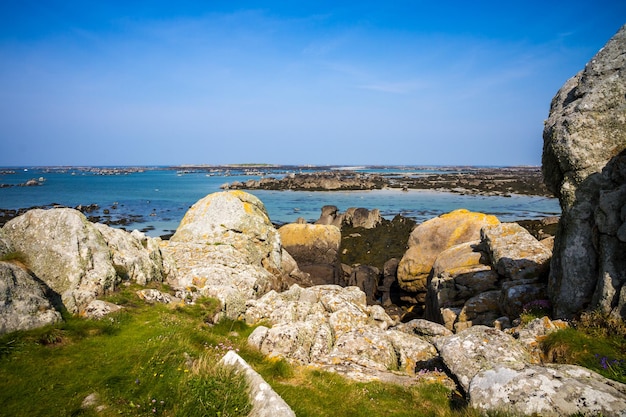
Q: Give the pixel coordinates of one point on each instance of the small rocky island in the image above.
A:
(462, 180)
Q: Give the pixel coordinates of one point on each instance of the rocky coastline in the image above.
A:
(500, 181)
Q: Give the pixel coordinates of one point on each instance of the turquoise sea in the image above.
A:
(157, 198)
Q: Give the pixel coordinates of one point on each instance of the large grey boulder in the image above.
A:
(80, 260)
(226, 247)
(23, 300)
(497, 373)
(67, 252)
(584, 165)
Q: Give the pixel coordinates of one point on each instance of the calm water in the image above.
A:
(161, 197)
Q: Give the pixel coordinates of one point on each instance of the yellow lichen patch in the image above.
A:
(306, 234)
(199, 281)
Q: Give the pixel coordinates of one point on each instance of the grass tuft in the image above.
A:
(596, 341)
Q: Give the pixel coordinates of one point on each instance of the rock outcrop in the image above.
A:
(315, 247)
(481, 281)
(431, 238)
(67, 252)
(353, 217)
(226, 247)
(497, 374)
(24, 302)
(78, 260)
(584, 165)
(333, 328)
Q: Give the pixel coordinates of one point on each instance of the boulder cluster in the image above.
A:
(315, 314)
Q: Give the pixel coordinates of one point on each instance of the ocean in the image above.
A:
(155, 199)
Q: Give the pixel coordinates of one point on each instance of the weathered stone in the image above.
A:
(424, 328)
(151, 295)
(65, 251)
(315, 248)
(515, 253)
(237, 219)
(365, 277)
(23, 301)
(97, 309)
(134, 256)
(431, 238)
(5, 245)
(481, 309)
(459, 273)
(555, 390)
(479, 348)
(362, 217)
(516, 294)
(583, 163)
(329, 325)
(226, 247)
(328, 216)
(265, 401)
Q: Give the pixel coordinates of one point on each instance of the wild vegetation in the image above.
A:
(158, 360)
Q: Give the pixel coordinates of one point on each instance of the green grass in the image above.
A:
(156, 360)
(596, 341)
(139, 362)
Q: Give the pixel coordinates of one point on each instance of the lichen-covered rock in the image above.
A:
(135, 257)
(479, 348)
(434, 236)
(237, 219)
(23, 301)
(426, 329)
(227, 248)
(315, 247)
(5, 245)
(328, 325)
(515, 253)
(584, 164)
(555, 390)
(67, 252)
(98, 309)
(459, 273)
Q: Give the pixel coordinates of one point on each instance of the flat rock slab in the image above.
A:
(265, 401)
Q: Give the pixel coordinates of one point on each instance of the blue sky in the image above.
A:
(288, 82)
